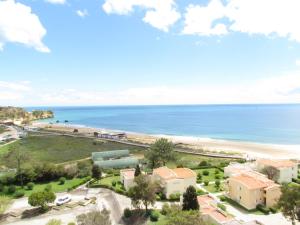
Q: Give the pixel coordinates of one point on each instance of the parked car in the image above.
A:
(63, 200)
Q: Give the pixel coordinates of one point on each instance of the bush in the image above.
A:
(199, 181)
(11, 189)
(19, 194)
(200, 192)
(30, 186)
(154, 216)
(221, 206)
(48, 187)
(217, 177)
(205, 172)
(206, 182)
(223, 198)
(217, 171)
(71, 223)
(1, 187)
(127, 213)
(203, 163)
(113, 183)
(273, 210)
(174, 197)
(54, 222)
(165, 209)
(263, 209)
(199, 176)
(62, 180)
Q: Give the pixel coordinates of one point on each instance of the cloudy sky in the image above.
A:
(124, 52)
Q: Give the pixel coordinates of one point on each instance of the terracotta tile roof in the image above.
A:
(178, 173)
(277, 163)
(205, 199)
(215, 213)
(253, 182)
(128, 173)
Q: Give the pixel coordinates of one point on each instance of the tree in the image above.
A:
(94, 218)
(160, 153)
(271, 172)
(143, 192)
(217, 184)
(289, 202)
(41, 199)
(190, 201)
(137, 171)
(178, 217)
(96, 172)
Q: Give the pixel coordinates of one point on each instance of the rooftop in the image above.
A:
(178, 173)
(128, 173)
(253, 181)
(277, 163)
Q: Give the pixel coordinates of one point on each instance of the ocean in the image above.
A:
(274, 124)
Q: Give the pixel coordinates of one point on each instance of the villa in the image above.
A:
(286, 170)
(127, 178)
(250, 189)
(174, 180)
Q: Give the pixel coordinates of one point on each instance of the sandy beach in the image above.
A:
(249, 149)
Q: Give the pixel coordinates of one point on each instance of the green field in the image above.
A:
(56, 187)
(59, 149)
(212, 174)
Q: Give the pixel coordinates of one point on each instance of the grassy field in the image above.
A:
(212, 174)
(59, 149)
(56, 187)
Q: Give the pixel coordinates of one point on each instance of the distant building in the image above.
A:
(174, 180)
(237, 168)
(286, 169)
(127, 178)
(250, 189)
(113, 136)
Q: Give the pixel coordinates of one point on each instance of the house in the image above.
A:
(286, 169)
(250, 189)
(237, 168)
(176, 180)
(127, 178)
(210, 212)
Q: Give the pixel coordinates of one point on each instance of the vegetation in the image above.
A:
(94, 218)
(161, 152)
(289, 202)
(210, 174)
(41, 199)
(190, 201)
(60, 149)
(271, 172)
(96, 172)
(54, 222)
(143, 192)
(2, 129)
(4, 203)
(137, 171)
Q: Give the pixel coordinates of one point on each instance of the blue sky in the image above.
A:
(76, 52)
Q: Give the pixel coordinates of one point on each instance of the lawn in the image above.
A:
(211, 176)
(59, 149)
(56, 187)
(108, 180)
(212, 188)
(191, 161)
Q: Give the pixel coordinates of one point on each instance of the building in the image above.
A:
(286, 169)
(113, 136)
(238, 168)
(250, 189)
(210, 212)
(176, 180)
(127, 178)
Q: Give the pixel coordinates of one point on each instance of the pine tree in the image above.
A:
(190, 201)
(137, 171)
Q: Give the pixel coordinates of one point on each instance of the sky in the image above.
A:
(149, 52)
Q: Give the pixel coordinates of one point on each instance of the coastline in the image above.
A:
(249, 149)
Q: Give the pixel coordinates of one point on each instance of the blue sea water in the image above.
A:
(276, 124)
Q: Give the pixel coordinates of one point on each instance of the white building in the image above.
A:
(175, 180)
(127, 178)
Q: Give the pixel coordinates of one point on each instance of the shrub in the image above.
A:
(165, 209)
(1, 187)
(200, 192)
(19, 194)
(199, 176)
(203, 163)
(30, 186)
(154, 216)
(217, 171)
(54, 222)
(113, 183)
(11, 189)
(174, 197)
(223, 198)
(217, 177)
(273, 210)
(205, 172)
(48, 187)
(206, 182)
(199, 181)
(62, 180)
(71, 223)
(217, 183)
(127, 213)
(162, 196)
(263, 209)
(221, 206)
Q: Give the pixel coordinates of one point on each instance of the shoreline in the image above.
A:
(248, 149)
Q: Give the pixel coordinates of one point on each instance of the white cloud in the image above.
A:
(298, 62)
(61, 2)
(200, 19)
(19, 25)
(15, 86)
(82, 13)
(264, 17)
(159, 14)
(13, 91)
